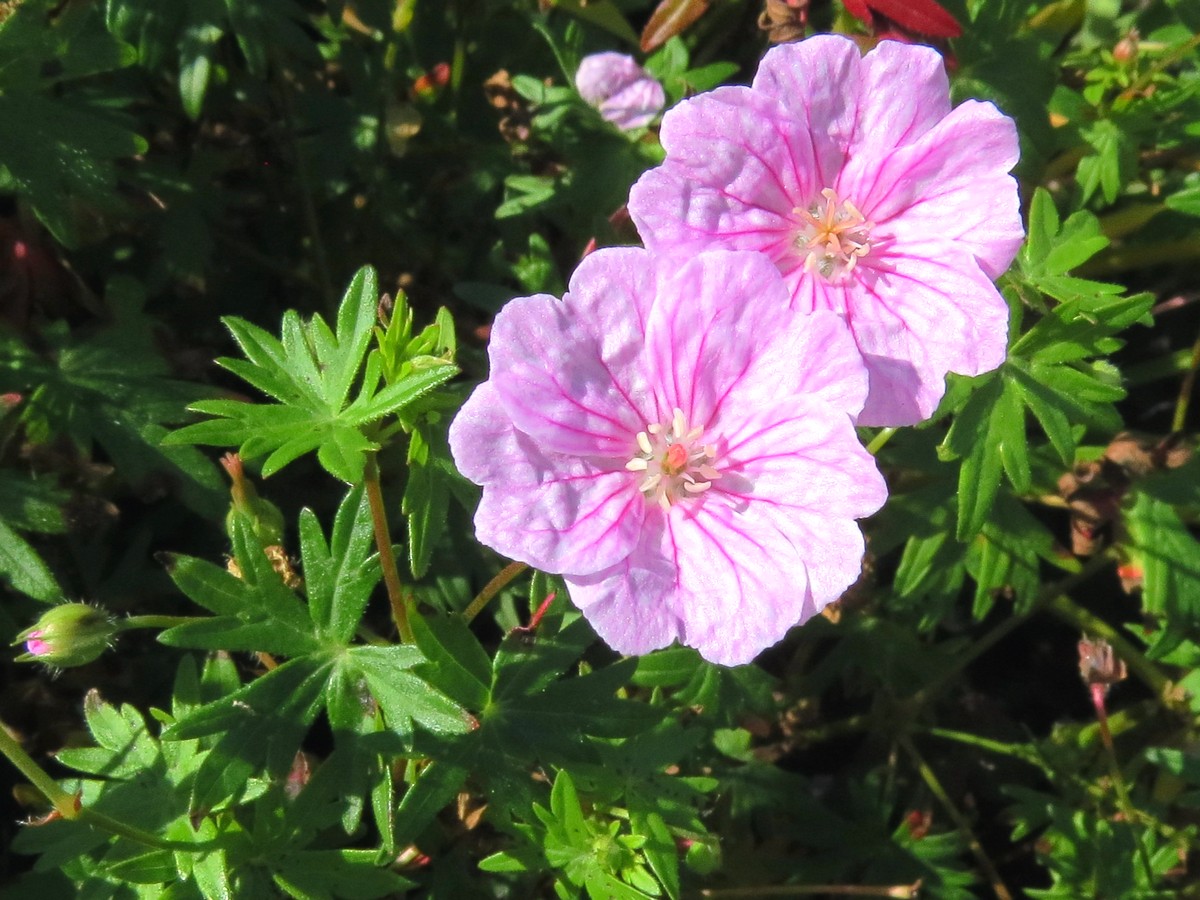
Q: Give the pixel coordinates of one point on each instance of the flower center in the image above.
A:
(834, 236)
(672, 462)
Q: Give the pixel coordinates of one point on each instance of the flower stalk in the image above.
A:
(383, 543)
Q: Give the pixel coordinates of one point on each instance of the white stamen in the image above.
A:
(673, 463)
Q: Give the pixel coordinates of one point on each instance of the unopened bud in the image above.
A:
(71, 634)
(265, 518)
(1126, 49)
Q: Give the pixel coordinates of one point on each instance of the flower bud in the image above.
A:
(71, 634)
(265, 517)
(1126, 49)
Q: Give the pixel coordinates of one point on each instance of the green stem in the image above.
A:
(1118, 777)
(935, 786)
(492, 588)
(1066, 609)
(878, 442)
(901, 891)
(1186, 388)
(1016, 751)
(383, 543)
(133, 622)
(68, 806)
(64, 804)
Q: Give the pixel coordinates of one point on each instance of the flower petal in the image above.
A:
(917, 317)
(808, 354)
(552, 511)
(630, 604)
(717, 310)
(800, 455)
(600, 75)
(904, 93)
(742, 582)
(736, 169)
(819, 81)
(953, 185)
(635, 105)
(570, 374)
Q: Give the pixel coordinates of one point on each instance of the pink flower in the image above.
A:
(623, 91)
(678, 446)
(872, 196)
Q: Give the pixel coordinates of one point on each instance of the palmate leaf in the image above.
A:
(112, 389)
(257, 611)
(310, 371)
(1057, 370)
(57, 152)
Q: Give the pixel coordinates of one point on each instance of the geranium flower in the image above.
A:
(872, 196)
(678, 446)
(625, 93)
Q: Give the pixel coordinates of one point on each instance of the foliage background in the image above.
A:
(165, 165)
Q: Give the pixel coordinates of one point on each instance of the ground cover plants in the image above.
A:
(603, 449)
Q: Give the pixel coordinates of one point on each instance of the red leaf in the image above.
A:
(669, 18)
(922, 16)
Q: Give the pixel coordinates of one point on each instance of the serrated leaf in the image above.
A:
(339, 577)
(1169, 558)
(311, 371)
(349, 874)
(261, 726)
(455, 660)
(437, 785)
(255, 612)
(403, 697)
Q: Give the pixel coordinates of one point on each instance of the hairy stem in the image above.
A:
(68, 806)
(492, 588)
(802, 890)
(383, 543)
(935, 786)
(1185, 389)
(133, 622)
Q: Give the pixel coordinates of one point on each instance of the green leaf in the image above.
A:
(311, 372)
(339, 577)
(604, 14)
(1112, 163)
(403, 697)
(1169, 558)
(196, 49)
(1186, 201)
(24, 569)
(349, 874)
(437, 785)
(255, 612)
(111, 389)
(260, 725)
(455, 660)
(976, 436)
(426, 495)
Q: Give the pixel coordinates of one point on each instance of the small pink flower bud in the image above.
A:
(71, 634)
(1126, 49)
(625, 93)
